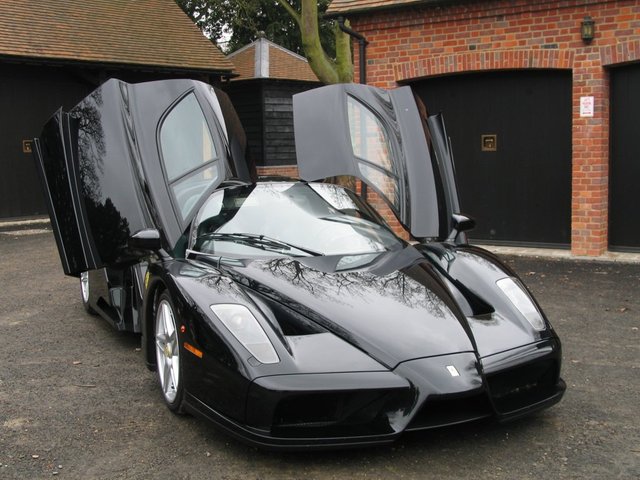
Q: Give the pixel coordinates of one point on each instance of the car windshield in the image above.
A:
(289, 219)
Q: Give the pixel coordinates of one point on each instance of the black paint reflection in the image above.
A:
(365, 306)
(360, 284)
(54, 172)
(109, 229)
(90, 142)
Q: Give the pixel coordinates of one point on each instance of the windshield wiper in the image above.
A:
(258, 241)
(354, 221)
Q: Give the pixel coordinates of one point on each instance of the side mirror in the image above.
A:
(148, 239)
(461, 223)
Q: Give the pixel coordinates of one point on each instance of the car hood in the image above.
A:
(394, 306)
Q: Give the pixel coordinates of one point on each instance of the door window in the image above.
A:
(370, 144)
(189, 155)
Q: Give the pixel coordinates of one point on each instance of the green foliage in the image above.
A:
(242, 21)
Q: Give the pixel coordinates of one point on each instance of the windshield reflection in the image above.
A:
(289, 219)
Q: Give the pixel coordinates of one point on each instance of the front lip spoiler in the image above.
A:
(262, 440)
(549, 401)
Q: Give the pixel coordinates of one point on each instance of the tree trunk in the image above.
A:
(327, 70)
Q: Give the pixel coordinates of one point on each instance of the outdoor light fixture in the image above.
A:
(587, 29)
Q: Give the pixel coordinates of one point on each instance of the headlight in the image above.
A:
(244, 326)
(521, 300)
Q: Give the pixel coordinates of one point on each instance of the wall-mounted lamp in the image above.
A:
(587, 29)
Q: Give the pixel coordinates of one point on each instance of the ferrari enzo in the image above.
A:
(288, 312)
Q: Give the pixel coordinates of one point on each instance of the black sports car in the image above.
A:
(287, 312)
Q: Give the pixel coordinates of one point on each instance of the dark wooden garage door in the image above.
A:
(29, 95)
(624, 194)
(519, 188)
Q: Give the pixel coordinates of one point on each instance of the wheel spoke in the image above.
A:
(168, 320)
(161, 340)
(173, 372)
(162, 367)
(166, 374)
(172, 341)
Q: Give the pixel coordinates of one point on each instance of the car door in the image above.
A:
(135, 157)
(386, 139)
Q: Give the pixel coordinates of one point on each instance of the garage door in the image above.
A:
(28, 97)
(511, 137)
(624, 195)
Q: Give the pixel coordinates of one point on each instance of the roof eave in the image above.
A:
(382, 8)
(274, 80)
(60, 61)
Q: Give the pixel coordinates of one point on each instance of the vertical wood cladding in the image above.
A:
(265, 108)
(29, 96)
(279, 140)
(246, 97)
(521, 190)
(624, 228)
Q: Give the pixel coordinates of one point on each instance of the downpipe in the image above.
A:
(362, 45)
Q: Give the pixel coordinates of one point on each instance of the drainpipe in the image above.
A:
(362, 42)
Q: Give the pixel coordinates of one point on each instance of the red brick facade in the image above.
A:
(420, 42)
(282, 171)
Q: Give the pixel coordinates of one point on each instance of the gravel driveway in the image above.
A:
(77, 402)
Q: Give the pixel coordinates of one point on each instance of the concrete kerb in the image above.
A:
(552, 253)
(25, 226)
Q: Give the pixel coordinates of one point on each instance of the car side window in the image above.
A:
(189, 154)
(371, 146)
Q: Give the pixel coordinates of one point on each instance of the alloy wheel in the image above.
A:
(167, 351)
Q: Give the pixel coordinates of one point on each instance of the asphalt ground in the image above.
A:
(77, 402)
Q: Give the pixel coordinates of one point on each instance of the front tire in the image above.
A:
(167, 346)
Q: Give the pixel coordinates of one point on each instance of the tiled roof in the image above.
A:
(338, 7)
(273, 61)
(132, 32)
(244, 62)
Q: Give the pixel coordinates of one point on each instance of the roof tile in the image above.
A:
(282, 63)
(135, 32)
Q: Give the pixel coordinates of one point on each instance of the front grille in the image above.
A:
(524, 385)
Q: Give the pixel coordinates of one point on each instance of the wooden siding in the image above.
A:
(27, 102)
(279, 143)
(246, 98)
(265, 108)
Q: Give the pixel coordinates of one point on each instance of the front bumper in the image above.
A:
(339, 410)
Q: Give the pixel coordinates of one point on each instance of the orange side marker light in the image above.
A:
(192, 349)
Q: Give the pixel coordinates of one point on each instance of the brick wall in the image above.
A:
(520, 34)
(278, 171)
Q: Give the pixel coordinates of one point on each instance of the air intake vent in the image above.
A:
(443, 410)
(521, 386)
